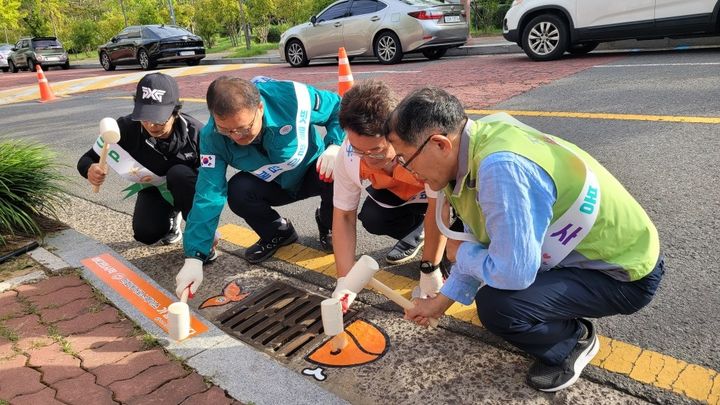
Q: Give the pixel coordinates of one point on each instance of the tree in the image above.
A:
(259, 14)
(10, 15)
(34, 20)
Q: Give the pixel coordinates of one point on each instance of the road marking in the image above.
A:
(646, 366)
(603, 116)
(67, 87)
(659, 64)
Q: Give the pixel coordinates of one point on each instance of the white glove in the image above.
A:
(326, 163)
(191, 275)
(342, 293)
(430, 283)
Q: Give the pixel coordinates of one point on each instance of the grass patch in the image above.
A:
(83, 55)
(149, 341)
(222, 45)
(30, 187)
(60, 340)
(485, 32)
(9, 334)
(255, 49)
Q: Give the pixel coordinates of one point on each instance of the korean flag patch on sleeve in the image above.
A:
(207, 161)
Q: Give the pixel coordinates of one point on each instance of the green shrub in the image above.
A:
(30, 186)
(274, 34)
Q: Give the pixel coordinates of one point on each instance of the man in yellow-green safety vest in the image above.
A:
(552, 238)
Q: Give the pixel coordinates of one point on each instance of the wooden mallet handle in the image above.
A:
(395, 297)
(103, 162)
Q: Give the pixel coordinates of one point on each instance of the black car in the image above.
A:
(148, 45)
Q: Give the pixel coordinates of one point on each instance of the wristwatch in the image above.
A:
(428, 267)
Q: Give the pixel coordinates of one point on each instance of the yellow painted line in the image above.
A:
(645, 366)
(603, 116)
(67, 87)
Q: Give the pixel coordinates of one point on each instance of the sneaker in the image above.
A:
(174, 235)
(264, 249)
(325, 234)
(404, 250)
(213, 252)
(554, 378)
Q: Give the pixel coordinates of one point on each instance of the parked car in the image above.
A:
(386, 29)
(149, 45)
(44, 51)
(546, 29)
(5, 50)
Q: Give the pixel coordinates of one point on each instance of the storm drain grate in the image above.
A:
(279, 318)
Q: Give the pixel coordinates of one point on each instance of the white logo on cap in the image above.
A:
(154, 94)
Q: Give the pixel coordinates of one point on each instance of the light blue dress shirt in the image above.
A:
(516, 197)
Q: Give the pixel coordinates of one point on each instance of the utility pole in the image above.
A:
(122, 6)
(172, 12)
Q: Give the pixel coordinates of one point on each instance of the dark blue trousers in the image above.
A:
(542, 319)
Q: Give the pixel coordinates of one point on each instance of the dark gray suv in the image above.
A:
(43, 51)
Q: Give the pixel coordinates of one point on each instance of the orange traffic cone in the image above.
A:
(46, 93)
(345, 78)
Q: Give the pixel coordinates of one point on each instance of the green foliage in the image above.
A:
(487, 15)
(83, 36)
(255, 49)
(29, 187)
(274, 33)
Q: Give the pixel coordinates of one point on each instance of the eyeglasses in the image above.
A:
(401, 161)
(240, 131)
(370, 155)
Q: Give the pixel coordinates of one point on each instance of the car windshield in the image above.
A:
(46, 44)
(167, 31)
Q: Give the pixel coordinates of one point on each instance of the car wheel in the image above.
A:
(5, 70)
(545, 37)
(193, 62)
(388, 49)
(582, 48)
(295, 54)
(105, 62)
(31, 65)
(66, 66)
(11, 66)
(144, 60)
(434, 54)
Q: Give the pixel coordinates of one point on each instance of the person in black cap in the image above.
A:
(158, 152)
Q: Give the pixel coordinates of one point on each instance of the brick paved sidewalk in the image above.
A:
(60, 342)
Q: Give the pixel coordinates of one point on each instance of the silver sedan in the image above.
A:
(386, 29)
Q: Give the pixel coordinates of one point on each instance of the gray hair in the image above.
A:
(424, 110)
(229, 95)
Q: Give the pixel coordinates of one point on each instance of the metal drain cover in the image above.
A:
(280, 319)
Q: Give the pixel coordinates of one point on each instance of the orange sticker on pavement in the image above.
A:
(138, 292)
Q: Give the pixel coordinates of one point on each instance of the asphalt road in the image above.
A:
(670, 167)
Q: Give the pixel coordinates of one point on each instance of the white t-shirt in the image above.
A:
(348, 186)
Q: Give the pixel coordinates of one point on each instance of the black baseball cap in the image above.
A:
(156, 97)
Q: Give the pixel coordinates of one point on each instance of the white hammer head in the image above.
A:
(361, 273)
(109, 130)
(332, 316)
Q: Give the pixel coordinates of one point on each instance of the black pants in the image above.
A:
(542, 319)
(252, 199)
(395, 222)
(151, 219)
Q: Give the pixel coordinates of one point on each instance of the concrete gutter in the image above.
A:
(245, 373)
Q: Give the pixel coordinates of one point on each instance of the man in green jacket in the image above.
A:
(553, 238)
(267, 131)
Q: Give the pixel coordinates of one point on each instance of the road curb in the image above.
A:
(245, 373)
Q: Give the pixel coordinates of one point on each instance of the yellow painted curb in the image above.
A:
(645, 366)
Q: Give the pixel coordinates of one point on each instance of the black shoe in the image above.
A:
(405, 249)
(174, 235)
(325, 237)
(554, 378)
(263, 249)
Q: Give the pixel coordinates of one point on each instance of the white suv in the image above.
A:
(546, 29)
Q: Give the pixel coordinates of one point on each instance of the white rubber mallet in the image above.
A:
(110, 133)
(332, 320)
(179, 318)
